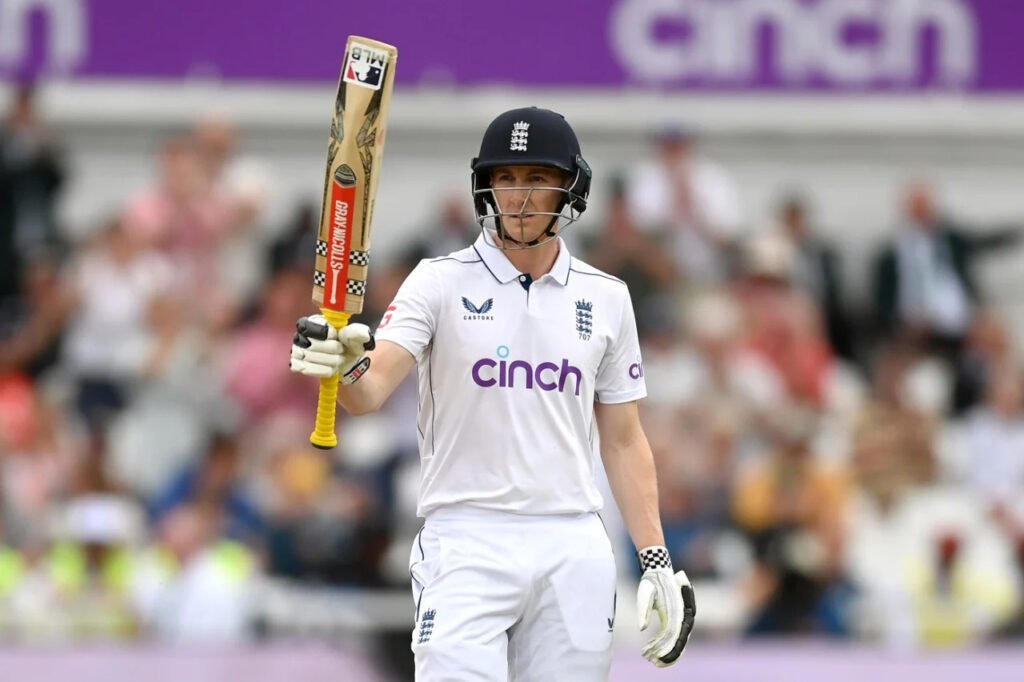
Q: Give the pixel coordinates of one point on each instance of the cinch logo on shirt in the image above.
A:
(547, 376)
(636, 370)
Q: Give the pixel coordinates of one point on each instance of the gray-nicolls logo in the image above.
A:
(520, 135)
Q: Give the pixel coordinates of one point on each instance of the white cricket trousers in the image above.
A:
(508, 597)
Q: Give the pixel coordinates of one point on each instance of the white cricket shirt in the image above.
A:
(508, 375)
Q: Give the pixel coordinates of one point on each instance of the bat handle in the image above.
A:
(323, 435)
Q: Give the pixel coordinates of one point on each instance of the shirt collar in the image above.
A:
(501, 267)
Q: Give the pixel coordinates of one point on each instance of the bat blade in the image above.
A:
(355, 149)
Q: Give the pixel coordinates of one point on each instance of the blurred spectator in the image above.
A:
(216, 140)
(243, 182)
(31, 176)
(295, 246)
(634, 256)
(784, 327)
(816, 272)
(115, 283)
(963, 598)
(32, 325)
(893, 442)
(451, 229)
(245, 187)
(12, 572)
(177, 401)
(925, 285)
(79, 589)
(259, 386)
(931, 570)
(994, 435)
(322, 527)
(989, 346)
(185, 218)
(193, 586)
(715, 365)
(692, 203)
(696, 454)
(216, 481)
(792, 507)
(705, 397)
(36, 463)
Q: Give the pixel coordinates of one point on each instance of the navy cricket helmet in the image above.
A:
(530, 137)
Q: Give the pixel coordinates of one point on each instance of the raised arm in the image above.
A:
(369, 372)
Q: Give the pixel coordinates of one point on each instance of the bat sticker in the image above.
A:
(365, 66)
(343, 199)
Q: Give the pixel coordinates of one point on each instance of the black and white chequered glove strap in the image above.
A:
(654, 557)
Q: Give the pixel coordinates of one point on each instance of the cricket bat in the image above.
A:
(354, 152)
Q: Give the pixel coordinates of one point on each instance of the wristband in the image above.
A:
(652, 558)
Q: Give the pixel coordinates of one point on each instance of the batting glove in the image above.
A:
(671, 595)
(320, 350)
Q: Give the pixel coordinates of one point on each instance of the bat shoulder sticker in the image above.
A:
(365, 66)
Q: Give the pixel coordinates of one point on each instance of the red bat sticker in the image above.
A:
(342, 208)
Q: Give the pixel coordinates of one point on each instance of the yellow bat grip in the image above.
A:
(323, 435)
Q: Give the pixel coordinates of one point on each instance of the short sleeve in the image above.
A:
(411, 319)
(620, 378)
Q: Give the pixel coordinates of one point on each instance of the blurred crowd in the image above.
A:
(848, 466)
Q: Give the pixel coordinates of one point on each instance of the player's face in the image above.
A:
(527, 197)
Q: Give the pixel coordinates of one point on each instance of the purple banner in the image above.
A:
(704, 45)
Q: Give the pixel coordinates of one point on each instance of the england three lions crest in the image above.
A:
(520, 136)
(584, 319)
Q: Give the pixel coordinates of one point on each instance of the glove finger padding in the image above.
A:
(316, 327)
(311, 370)
(329, 359)
(689, 614)
(644, 603)
(356, 339)
(317, 346)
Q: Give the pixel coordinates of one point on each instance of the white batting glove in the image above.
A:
(320, 350)
(671, 595)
